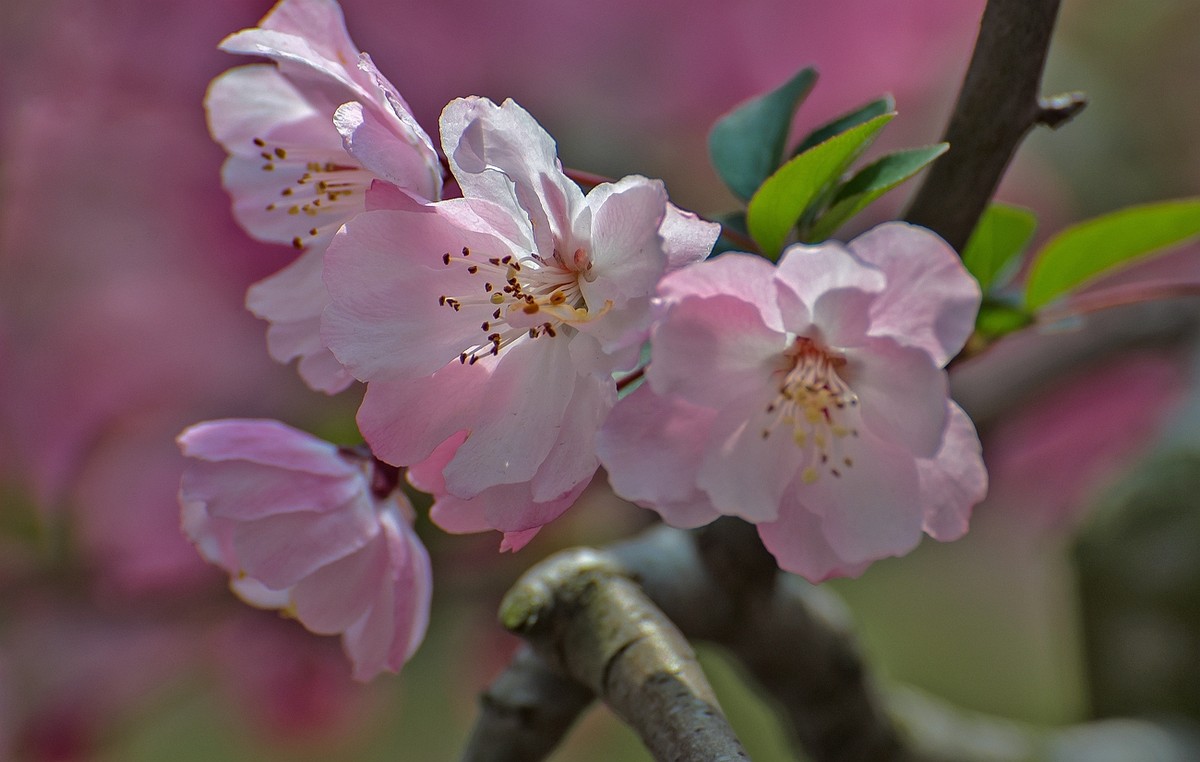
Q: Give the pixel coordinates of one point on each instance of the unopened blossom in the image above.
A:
(810, 399)
(488, 327)
(317, 531)
(307, 136)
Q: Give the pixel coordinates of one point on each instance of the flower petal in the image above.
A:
(501, 154)
(389, 147)
(652, 447)
(745, 276)
(711, 350)
(798, 542)
(386, 280)
(746, 470)
(828, 286)
(627, 258)
(954, 480)
(686, 238)
(902, 394)
(931, 299)
(873, 509)
(281, 549)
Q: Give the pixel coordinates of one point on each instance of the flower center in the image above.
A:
(319, 188)
(525, 298)
(818, 405)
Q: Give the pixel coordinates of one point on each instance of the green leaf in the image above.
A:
(785, 196)
(996, 319)
(1084, 251)
(870, 183)
(846, 121)
(1002, 234)
(746, 145)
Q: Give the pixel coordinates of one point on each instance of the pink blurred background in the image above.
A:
(122, 276)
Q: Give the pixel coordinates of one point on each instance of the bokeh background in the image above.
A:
(122, 276)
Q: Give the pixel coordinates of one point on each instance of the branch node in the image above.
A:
(1056, 110)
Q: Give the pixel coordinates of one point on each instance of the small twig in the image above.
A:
(525, 713)
(999, 103)
(581, 612)
(1117, 296)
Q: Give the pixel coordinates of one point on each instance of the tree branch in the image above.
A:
(998, 104)
(525, 713)
(583, 615)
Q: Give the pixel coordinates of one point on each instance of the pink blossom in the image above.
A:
(307, 137)
(488, 328)
(319, 532)
(810, 399)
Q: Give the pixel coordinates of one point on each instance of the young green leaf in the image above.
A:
(996, 319)
(1084, 251)
(1002, 234)
(785, 196)
(746, 145)
(868, 184)
(844, 122)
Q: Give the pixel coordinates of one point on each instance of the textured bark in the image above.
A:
(998, 104)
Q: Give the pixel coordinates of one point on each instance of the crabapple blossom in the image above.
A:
(316, 530)
(306, 138)
(810, 399)
(488, 327)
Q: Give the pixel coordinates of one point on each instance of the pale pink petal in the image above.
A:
(245, 491)
(320, 22)
(652, 448)
(954, 480)
(501, 154)
(212, 536)
(514, 541)
(572, 460)
(293, 299)
(931, 299)
(395, 623)
(337, 595)
(828, 286)
(299, 58)
(262, 441)
(508, 508)
(686, 238)
(711, 350)
(627, 259)
(797, 541)
(744, 472)
(249, 102)
(386, 277)
(901, 394)
(281, 549)
(873, 509)
(427, 474)
(389, 148)
(747, 277)
(519, 418)
(405, 419)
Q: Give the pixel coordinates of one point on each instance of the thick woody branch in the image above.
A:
(998, 104)
(584, 615)
(721, 585)
(525, 713)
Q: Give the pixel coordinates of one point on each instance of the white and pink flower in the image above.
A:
(488, 328)
(810, 399)
(317, 531)
(307, 136)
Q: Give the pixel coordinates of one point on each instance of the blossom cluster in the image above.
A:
(491, 325)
